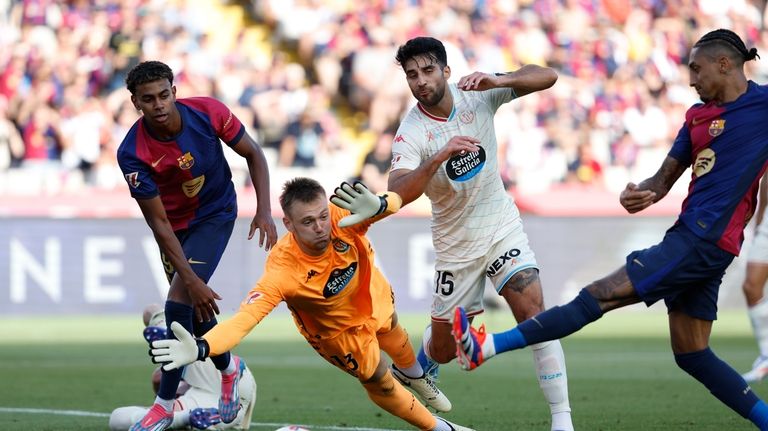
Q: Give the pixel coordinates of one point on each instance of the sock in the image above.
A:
(758, 316)
(553, 381)
(759, 415)
(222, 362)
(169, 380)
(723, 382)
(396, 344)
(427, 363)
(395, 399)
(167, 404)
(557, 322)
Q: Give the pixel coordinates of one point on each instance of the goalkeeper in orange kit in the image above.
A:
(341, 302)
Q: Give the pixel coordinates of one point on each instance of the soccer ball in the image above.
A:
(292, 428)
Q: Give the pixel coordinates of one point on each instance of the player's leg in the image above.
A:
(456, 284)
(649, 275)
(387, 393)
(204, 247)
(523, 293)
(690, 344)
(757, 306)
(406, 369)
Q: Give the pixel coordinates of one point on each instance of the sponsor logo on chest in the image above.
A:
(339, 279)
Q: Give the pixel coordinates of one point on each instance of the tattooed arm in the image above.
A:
(637, 197)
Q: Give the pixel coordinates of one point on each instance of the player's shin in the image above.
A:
(392, 397)
(169, 382)
(553, 381)
(223, 362)
(725, 384)
(396, 344)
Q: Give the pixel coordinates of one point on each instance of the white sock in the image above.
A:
(414, 371)
(167, 404)
(442, 425)
(553, 381)
(758, 316)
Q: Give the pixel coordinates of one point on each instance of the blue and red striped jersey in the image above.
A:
(727, 148)
(189, 171)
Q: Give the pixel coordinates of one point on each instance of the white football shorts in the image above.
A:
(463, 283)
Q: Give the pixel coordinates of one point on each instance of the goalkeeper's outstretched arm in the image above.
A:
(363, 204)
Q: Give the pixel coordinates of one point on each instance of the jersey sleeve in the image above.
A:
(261, 300)
(136, 174)
(227, 126)
(681, 148)
(498, 96)
(406, 151)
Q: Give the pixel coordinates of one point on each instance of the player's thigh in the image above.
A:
(203, 246)
(354, 351)
(457, 284)
(514, 272)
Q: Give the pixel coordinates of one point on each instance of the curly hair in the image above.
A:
(147, 71)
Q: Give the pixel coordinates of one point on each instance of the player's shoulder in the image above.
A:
(127, 147)
(203, 103)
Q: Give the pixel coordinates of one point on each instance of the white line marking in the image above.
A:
(106, 415)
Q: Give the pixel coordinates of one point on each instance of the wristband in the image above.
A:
(203, 349)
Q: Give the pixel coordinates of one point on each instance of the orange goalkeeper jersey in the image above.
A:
(326, 294)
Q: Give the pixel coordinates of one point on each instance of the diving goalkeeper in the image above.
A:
(340, 301)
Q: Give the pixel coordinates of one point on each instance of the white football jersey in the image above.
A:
(471, 210)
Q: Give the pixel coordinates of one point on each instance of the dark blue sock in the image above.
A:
(169, 380)
(759, 415)
(553, 324)
(725, 384)
(222, 361)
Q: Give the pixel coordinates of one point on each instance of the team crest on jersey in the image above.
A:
(466, 117)
(716, 127)
(463, 167)
(339, 279)
(253, 297)
(704, 163)
(133, 179)
(192, 187)
(186, 161)
(340, 245)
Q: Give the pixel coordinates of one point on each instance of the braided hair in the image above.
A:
(729, 40)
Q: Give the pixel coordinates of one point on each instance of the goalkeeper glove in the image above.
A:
(177, 353)
(362, 203)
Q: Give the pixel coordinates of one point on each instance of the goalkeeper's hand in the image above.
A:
(360, 201)
(177, 353)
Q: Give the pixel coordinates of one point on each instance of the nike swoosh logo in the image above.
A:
(193, 261)
(157, 162)
(697, 121)
(638, 262)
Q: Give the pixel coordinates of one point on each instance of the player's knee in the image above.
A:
(443, 353)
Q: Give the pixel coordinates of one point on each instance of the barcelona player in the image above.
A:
(173, 161)
(725, 142)
(341, 302)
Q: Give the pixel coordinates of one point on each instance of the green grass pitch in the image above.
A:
(68, 373)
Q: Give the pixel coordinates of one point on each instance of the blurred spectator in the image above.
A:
(376, 164)
(315, 79)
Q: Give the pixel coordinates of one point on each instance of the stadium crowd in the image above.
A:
(314, 80)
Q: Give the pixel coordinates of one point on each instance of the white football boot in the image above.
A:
(759, 370)
(425, 388)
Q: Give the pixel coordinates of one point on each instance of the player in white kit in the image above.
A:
(754, 284)
(446, 148)
(196, 404)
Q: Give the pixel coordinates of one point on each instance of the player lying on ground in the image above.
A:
(341, 302)
(197, 398)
